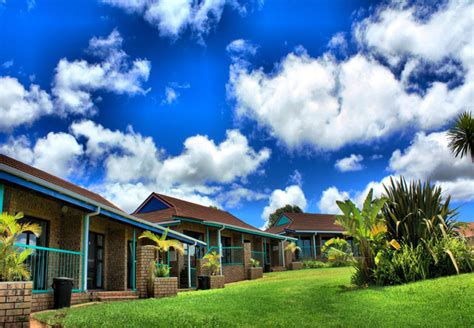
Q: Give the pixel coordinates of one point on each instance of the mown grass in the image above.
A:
(305, 298)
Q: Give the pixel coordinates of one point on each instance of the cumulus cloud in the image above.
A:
(234, 197)
(351, 163)
(292, 195)
(172, 93)
(76, 81)
(19, 105)
(324, 102)
(57, 153)
(428, 158)
(172, 17)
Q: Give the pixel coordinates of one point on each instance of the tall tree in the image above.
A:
(461, 136)
(272, 219)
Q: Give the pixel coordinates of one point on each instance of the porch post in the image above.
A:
(2, 191)
(85, 251)
(208, 239)
(189, 266)
(314, 245)
(219, 243)
(282, 252)
(134, 261)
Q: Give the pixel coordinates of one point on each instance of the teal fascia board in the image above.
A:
(215, 225)
(282, 221)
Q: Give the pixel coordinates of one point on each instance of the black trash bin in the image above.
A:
(62, 287)
(266, 267)
(204, 282)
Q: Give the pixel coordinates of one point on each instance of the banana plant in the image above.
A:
(12, 258)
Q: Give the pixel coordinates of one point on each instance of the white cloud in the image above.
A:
(234, 197)
(7, 64)
(170, 95)
(172, 17)
(327, 203)
(21, 106)
(292, 195)
(75, 81)
(351, 163)
(204, 161)
(241, 48)
(57, 153)
(325, 103)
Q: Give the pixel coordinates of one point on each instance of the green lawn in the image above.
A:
(305, 298)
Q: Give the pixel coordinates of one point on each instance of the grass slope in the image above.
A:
(306, 298)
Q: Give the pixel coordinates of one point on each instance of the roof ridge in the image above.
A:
(6, 158)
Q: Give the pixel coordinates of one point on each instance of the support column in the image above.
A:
(219, 243)
(208, 239)
(85, 251)
(282, 253)
(2, 192)
(134, 260)
(314, 245)
(189, 266)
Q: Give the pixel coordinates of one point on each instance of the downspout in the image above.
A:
(314, 244)
(283, 252)
(219, 243)
(85, 246)
(189, 264)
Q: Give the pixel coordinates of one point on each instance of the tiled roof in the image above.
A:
(8, 161)
(309, 222)
(182, 208)
(468, 229)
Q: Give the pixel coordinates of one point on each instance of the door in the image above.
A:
(130, 264)
(95, 261)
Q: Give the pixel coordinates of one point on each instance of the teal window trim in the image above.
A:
(57, 250)
(2, 192)
(134, 260)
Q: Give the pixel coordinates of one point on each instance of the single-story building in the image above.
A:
(311, 230)
(467, 231)
(220, 231)
(84, 236)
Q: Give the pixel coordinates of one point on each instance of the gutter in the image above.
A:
(89, 201)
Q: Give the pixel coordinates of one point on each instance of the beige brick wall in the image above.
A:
(15, 304)
(217, 282)
(255, 273)
(164, 287)
(145, 255)
(233, 273)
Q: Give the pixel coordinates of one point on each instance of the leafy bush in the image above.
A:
(313, 264)
(338, 251)
(12, 260)
(212, 262)
(254, 263)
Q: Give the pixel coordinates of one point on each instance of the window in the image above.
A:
(28, 238)
(305, 245)
(226, 252)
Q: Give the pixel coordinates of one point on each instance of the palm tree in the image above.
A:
(461, 136)
(12, 260)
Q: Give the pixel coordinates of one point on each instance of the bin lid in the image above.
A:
(63, 278)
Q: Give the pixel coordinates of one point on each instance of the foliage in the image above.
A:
(212, 262)
(416, 211)
(367, 228)
(292, 248)
(273, 218)
(314, 264)
(12, 261)
(337, 250)
(254, 263)
(162, 245)
(303, 298)
(461, 136)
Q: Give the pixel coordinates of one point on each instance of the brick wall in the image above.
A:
(145, 255)
(164, 287)
(255, 273)
(45, 301)
(217, 282)
(233, 273)
(15, 304)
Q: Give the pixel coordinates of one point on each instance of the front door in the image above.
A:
(95, 268)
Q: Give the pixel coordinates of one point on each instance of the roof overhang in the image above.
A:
(29, 181)
(314, 231)
(221, 225)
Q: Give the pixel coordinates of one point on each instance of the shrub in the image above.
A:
(254, 263)
(338, 251)
(313, 264)
(212, 263)
(12, 260)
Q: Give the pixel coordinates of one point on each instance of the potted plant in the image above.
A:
(14, 273)
(160, 284)
(211, 262)
(255, 270)
(292, 248)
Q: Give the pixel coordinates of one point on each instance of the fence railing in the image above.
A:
(46, 263)
(259, 256)
(231, 255)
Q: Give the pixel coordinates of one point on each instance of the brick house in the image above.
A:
(84, 236)
(222, 232)
(311, 230)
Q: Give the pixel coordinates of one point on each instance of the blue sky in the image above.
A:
(244, 105)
